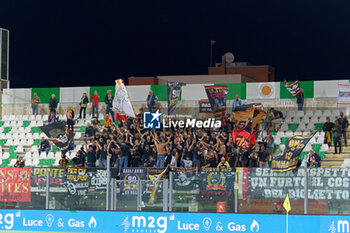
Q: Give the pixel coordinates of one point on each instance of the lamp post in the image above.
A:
(212, 42)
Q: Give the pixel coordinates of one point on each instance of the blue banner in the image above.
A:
(108, 222)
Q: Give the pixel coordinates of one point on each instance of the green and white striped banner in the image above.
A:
(190, 92)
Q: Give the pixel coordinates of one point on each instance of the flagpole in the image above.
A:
(287, 222)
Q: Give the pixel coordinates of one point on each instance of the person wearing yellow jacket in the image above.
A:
(223, 164)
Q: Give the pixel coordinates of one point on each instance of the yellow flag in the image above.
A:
(286, 204)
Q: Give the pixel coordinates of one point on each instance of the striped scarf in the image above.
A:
(69, 113)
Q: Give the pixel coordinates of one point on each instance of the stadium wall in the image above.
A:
(320, 94)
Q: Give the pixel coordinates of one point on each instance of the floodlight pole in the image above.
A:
(212, 42)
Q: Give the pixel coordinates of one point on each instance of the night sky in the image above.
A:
(92, 42)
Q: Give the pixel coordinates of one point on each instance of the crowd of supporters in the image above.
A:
(129, 145)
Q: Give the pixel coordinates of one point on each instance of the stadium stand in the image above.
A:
(20, 135)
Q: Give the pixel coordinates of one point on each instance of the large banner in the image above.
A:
(343, 94)
(217, 98)
(57, 179)
(131, 176)
(56, 132)
(204, 106)
(121, 101)
(216, 184)
(81, 181)
(184, 179)
(323, 184)
(293, 88)
(290, 157)
(15, 184)
(248, 118)
(174, 91)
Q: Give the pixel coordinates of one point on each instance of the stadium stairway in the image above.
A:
(20, 135)
(336, 160)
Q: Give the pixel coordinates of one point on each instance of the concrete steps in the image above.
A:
(335, 160)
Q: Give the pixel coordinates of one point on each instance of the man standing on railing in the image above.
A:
(236, 103)
(95, 100)
(109, 104)
(83, 104)
(53, 104)
(327, 128)
(343, 122)
(337, 130)
(151, 101)
(70, 118)
(35, 104)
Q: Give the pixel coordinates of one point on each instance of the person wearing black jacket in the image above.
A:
(44, 146)
(91, 155)
(327, 128)
(83, 104)
(136, 154)
(300, 100)
(124, 153)
(53, 104)
(102, 151)
(70, 118)
(344, 124)
(109, 104)
(337, 130)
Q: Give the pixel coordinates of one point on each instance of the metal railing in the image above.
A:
(243, 190)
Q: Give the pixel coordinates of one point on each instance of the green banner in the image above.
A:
(45, 94)
(102, 91)
(235, 88)
(307, 86)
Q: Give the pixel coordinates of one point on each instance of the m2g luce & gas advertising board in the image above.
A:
(108, 222)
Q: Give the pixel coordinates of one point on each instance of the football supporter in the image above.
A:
(95, 101)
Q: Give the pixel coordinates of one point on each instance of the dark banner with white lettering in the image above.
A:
(81, 181)
(217, 98)
(174, 92)
(184, 179)
(323, 184)
(290, 157)
(131, 176)
(204, 106)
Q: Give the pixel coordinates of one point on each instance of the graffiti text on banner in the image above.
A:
(323, 184)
